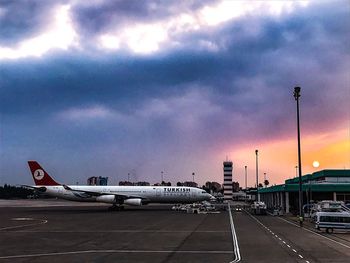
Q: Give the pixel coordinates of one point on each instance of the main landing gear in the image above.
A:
(116, 207)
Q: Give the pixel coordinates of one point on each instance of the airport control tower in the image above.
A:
(228, 180)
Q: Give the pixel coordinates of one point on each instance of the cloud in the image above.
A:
(124, 25)
(247, 76)
(164, 33)
(23, 19)
(60, 36)
(86, 114)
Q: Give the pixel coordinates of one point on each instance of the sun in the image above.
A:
(315, 164)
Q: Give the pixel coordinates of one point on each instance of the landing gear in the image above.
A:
(329, 230)
(116, 207)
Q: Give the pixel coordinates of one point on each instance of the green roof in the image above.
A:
(295, 180)
(272, 189)
(292, 185)
(322, 187)
(320, 174)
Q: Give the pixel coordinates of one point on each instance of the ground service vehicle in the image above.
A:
(332, 220)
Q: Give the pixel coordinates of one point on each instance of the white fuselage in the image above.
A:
(149, 194)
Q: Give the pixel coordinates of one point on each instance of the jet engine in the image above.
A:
(110, 199)
(133, 201)
(41, 189)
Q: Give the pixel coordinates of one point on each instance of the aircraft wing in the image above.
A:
(95, 193)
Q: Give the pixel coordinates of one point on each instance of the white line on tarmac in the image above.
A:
(339, 243)
(234, 238)
(118, 251)
(118, 231)
(42, 221)
(274, 234)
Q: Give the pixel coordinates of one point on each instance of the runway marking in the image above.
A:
(275, 235)
(118, 251)
(339, 243)
(119, 231)
(234, 238)
(42, 222)
(22, 219)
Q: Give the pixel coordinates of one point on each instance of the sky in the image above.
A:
(111, 88)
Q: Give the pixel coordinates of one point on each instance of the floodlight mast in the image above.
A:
(297, 96)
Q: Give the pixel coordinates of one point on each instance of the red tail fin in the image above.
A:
(40, 176)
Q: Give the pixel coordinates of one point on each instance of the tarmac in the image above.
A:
(47, 231)
(60, 231)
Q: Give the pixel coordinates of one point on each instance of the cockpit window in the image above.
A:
(204, 192)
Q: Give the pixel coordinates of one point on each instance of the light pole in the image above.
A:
(257, 176)
(297, 96)
(245, 168)
(161, 174)
(193, 177)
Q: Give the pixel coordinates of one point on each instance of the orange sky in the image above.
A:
(278, 158)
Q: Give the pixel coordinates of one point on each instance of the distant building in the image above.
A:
(94, 180)
(235, 187)
(213, 187)
(228, 180)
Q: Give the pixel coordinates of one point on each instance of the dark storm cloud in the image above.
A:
(109, 15)
(23, 19)
(274, 59)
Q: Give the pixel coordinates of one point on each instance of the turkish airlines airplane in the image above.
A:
(115, 195)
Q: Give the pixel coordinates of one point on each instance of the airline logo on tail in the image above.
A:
(40, 176)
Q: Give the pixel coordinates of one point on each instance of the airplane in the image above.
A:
(118, 196)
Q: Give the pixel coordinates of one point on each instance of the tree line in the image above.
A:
(8, 192)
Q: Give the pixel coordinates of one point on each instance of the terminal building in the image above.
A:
(321, 185)
(228, 180)
(97, 180)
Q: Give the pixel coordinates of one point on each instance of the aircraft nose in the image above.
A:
(211, 198)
